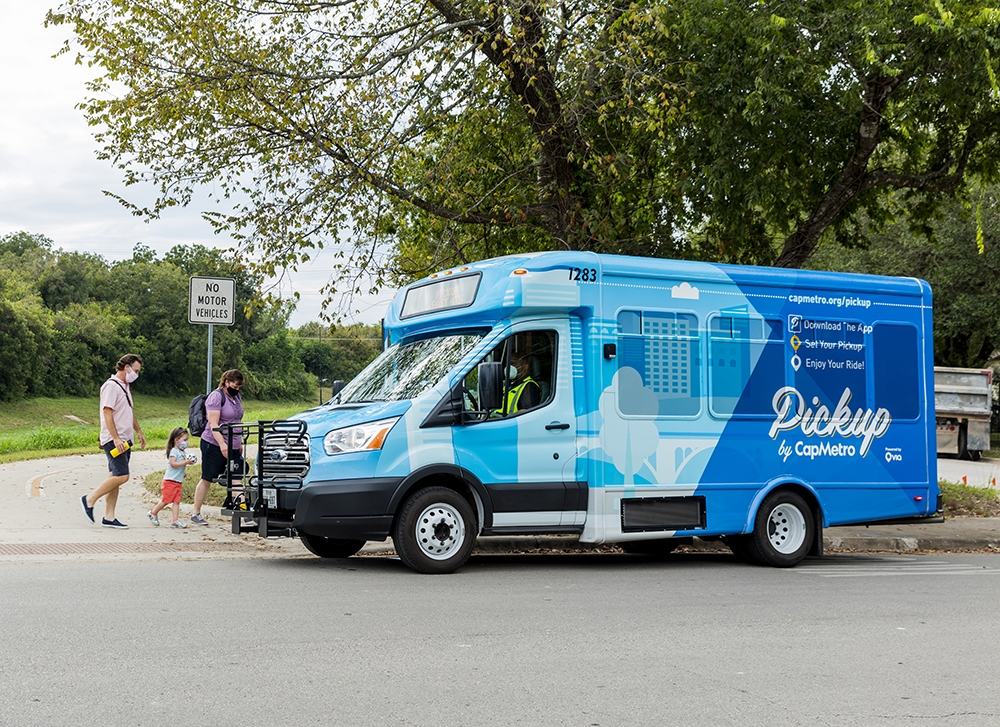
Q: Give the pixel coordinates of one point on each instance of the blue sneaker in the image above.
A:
(114, 524)
(88, 511)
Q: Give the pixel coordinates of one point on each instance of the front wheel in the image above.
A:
(331, 547)
(435, 531)
(783, 531)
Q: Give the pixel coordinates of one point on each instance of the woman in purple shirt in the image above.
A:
(223, 406)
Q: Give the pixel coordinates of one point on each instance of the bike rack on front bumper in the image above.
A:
(282, 461)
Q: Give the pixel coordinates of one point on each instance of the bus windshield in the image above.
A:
(407, 371)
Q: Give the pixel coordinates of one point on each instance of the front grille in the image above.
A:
(284, 451)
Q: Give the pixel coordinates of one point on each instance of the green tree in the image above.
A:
(337, 352)
(87, 339)
(25, 346)
(73, 277)
(154, 293)
(25, 250)
(274, 371)
(702, 128)
(804, 114)
(316, 118)
(962, 266)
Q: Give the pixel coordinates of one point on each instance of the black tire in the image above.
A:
(783, 531)
(963, 442)
(660, 548)
(435, 531)
(974, 454)
(331, 547)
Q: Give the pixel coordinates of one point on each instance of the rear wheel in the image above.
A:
(435, 531)
(963, 443)
(331, 547)
(783, 531)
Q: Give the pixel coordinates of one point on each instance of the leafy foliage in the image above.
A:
(451, 131)
(65, 318)
(337, 352)
(962, 266)
(481, 122)
(805, 114)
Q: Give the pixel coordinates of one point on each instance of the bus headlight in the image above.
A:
(358, 438)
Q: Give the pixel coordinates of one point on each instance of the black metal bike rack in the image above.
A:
(281, 462)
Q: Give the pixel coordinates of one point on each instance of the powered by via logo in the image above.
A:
(893, 454)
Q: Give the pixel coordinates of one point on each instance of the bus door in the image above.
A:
(519, 450)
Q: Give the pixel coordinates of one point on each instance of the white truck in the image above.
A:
(963, 402)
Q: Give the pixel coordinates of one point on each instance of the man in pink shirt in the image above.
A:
(118, 430)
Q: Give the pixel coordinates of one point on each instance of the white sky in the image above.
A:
(51, 181)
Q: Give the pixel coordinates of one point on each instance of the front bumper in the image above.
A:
(344, 509)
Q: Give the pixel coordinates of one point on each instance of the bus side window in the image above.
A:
(746, 365)
(897, 376)
(664, 349)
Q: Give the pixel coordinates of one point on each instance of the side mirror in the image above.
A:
(490, 385)
(337, 386)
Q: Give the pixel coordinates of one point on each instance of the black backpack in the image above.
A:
(197, 416)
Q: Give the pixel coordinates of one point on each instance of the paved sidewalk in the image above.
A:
(42, 520)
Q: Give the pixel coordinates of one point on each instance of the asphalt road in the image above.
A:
(584, 639)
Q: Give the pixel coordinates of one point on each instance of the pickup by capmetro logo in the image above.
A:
(791, 412)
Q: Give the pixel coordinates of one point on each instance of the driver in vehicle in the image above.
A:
(523, 392)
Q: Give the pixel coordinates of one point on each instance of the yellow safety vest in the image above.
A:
(514, 394)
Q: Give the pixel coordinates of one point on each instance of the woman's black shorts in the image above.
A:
(213, 463)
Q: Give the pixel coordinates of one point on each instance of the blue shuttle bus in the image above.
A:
(625, 400)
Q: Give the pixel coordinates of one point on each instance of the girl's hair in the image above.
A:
(174, 436)
(234, 375)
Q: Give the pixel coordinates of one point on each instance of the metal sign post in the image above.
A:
(211, 301)
(208, 376)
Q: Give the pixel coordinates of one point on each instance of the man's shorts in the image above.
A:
(171, 491)
(118, 466)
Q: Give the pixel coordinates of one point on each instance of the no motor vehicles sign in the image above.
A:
(212, 300)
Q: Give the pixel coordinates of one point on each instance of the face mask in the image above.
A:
(130, 376)
(182, 446)
(233, 393)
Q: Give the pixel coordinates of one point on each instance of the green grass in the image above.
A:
(40, 427)
(969, 501)
(216, 493)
